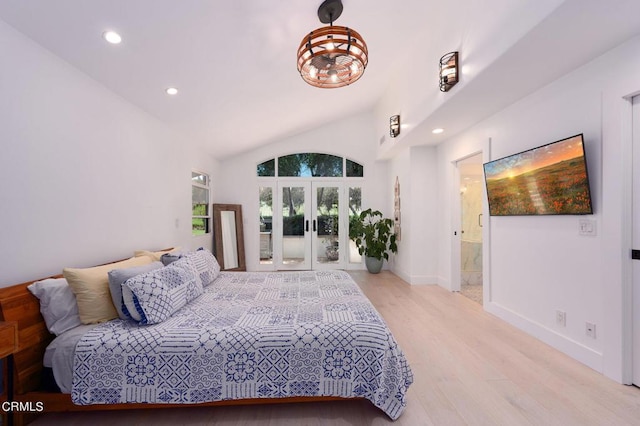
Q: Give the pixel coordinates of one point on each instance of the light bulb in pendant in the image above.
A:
(330, 45)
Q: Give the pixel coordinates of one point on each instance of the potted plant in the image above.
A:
(374, 237)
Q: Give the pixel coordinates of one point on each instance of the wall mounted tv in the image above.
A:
(549, 180)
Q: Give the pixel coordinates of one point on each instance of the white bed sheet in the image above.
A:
(59, 355)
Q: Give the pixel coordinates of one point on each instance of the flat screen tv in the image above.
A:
(549, 180)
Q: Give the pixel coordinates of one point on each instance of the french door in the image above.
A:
(309, 229)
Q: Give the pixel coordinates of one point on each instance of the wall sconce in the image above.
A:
(448, 71)
(394, 126)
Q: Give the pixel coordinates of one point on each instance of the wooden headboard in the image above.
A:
(18, 304)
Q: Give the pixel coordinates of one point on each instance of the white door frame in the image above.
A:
(456, 225)
(626, 291)
(456, 216)
(632, 371)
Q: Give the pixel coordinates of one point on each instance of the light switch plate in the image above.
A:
(587, 227)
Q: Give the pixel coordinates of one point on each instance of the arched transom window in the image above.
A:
(310, 165)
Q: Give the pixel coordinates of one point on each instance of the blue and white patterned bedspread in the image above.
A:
(250, 335)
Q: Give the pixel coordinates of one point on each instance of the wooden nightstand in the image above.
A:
(8, 346)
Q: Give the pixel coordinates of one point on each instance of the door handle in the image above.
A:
(314, 225)
(480, 220)
(306, 226)
(635, 254)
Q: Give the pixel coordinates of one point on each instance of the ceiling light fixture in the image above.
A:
(171, 91)
(332, 56)
(448, 71)
(437, 131)
(112, 37)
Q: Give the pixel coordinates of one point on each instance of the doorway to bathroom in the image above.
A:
(471, 196)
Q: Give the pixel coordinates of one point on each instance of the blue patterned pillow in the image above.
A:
(119, 276)
(207, 267)
(195, 288)
(153, 297)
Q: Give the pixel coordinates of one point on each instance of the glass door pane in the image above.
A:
(329, 236)
(295, 221)
(266, 225)
(327, 217)
(355, 208)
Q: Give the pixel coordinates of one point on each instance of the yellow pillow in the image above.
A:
(155, 255)
(91, 287)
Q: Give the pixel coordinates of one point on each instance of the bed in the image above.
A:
(248, 338)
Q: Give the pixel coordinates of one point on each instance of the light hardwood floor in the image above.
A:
(470, 368)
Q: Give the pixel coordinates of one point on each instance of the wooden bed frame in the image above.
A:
(18, 304)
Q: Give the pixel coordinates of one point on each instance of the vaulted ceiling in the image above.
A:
(234, 62)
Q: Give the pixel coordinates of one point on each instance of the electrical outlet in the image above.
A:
(590, 330)
(561, 318)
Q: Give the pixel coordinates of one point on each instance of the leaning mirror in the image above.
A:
(228, 236)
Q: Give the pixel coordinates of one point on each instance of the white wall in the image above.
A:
(352, 137)
(400, 168)
(85, 177)
(415, 168)
(540, 264)
(424, 212)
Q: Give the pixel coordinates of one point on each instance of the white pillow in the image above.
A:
(57, 304)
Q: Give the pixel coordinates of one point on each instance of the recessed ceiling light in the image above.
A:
(437, 131)
(112, 37)
(171, 91)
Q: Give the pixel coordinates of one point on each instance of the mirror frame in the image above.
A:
(217, 235)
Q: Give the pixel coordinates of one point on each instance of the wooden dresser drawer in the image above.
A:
(8, 338)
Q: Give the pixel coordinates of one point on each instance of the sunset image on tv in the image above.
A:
(548, 180)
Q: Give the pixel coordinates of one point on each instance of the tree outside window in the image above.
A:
(200, 210)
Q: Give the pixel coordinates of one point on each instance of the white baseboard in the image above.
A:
(401, 274)
(423, 280)
(444, 283)
(575, 350)
(415, 279)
